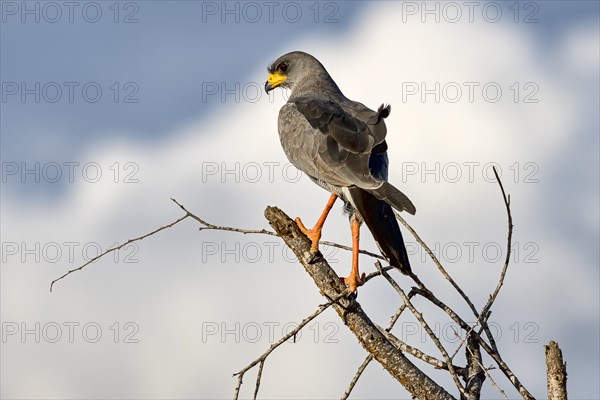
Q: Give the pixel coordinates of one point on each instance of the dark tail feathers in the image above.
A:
(394, 198)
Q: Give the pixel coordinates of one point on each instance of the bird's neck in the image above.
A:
(322, 88)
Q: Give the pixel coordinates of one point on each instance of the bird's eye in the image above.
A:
(282, 67)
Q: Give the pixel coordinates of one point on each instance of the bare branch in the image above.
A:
(475, 374)
(118, 248)
(494, 384)
(474, 358)
(467, 335)
(374, 274)
(488, 306)
(437, 364)
(493, 353)
(474, 362)
(436, 261)
(447, 276)
(556, 372)
(491, 349)
(425, 326)
(508, 247)
(368, 334)
(357, 376)
(381, 345)
(208, 226)
(368, 359)
(278, 343)
(258, 377)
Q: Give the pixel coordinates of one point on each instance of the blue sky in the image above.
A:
(159, 130)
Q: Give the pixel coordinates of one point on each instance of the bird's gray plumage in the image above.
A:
(340, 144)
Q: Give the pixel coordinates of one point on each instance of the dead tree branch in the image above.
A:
(275, 345)
(475, 374)
(205, 226)
(370, 337)
(209, 226)
(434, 362)
(556, 372)
(380, 343)
(447, 276)
(369, 358)
(492, 353)
(178, 220)
(506, 199)
(425, 325)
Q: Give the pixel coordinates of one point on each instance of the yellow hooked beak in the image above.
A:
(275, 79)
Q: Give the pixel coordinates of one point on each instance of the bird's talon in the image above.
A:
(313, 257)
(354, 281)
(301, 225)
(313, 234)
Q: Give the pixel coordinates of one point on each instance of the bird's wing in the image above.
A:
(351, 147)
(350, 134)
(343, 142)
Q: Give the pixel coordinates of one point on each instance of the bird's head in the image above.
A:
(295, 69)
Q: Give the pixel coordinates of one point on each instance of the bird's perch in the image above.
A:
(418, 384)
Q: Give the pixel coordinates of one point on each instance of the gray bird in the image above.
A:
(340, 144)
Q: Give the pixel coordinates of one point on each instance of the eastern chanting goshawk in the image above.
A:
(340, 144)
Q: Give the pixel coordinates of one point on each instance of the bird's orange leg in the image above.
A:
(355, 279)
(314, 234)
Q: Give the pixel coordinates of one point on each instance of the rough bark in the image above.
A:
(475, 374)
(556, 372)
(418, 384)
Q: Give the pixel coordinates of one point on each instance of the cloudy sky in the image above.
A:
(109, 109)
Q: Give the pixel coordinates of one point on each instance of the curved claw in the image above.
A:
(314, 257)
(354, 281)
(313, 234)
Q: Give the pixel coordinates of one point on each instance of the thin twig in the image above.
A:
(491, 349)
(471, 329)
(494, 384)
(357, 376)
(493, 353)
(374, 274)
(480, 316)
(207, 226)
(259, 375)
(424, 324)
(436, 261)
(485, 371)
(462, 342)
(447, 276)
(118, 248)
(508, 247)
(264, 356)
(506, 370)
(428, 294)
(437, 364)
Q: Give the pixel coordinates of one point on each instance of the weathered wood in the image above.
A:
(417, 383)
(475, 373)
(556, 372)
